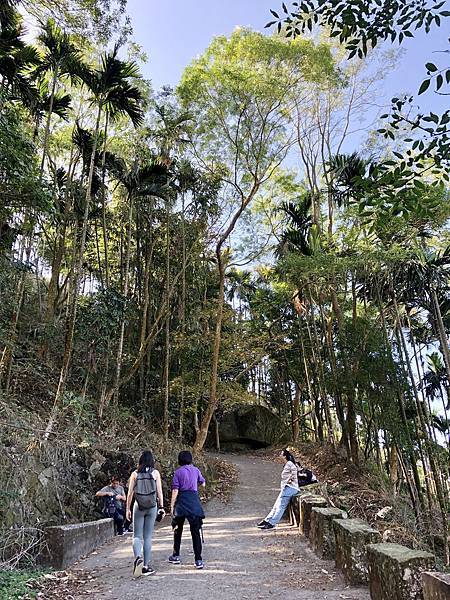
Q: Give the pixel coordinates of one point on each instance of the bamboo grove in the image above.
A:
(167, 255)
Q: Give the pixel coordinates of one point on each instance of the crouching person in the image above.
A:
(185, 504)
(113, 502)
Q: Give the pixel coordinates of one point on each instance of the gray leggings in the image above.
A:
(143, 524)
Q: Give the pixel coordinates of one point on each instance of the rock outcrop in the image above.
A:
(251, 426)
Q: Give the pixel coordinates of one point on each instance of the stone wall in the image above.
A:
(352, 538)
(395, 571)
(307, 503)
(436, 586)
(67, 543)
(321, 533)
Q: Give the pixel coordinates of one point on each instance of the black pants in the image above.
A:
(119, 517)
(195, 525)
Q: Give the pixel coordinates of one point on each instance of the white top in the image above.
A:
(289, 476)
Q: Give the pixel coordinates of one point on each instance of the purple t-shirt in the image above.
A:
(186, 478)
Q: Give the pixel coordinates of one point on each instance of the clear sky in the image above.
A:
(173, 32)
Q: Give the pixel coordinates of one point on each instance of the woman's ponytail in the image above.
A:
(289, 456)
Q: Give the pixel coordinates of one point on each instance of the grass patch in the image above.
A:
(13, 584)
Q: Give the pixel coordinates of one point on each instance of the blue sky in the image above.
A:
(173, 32)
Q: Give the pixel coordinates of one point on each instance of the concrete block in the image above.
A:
(395, 571)
(321, 533)
(307, 503)
(64, 544)
(436, 586)
(294, 510)
(314, 489)
(351, 538)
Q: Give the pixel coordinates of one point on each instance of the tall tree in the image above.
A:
(60, 57)
(112, 93)
(238, 91)
(140, 181)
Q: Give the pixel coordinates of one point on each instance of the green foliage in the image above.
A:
(58, 53)
(112, 88)
(20, 184)
(398, 184)
(78, 410)
(251, 65)
(14, 584)
(362, 25)
(99, 20)
(113, 225)
(100, 315)
(16, 57)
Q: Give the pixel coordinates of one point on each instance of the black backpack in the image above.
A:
(305, 476)
(145, 490)
(109, 507)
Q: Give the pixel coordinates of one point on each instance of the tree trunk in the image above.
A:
(52, 292)
(296, 414)
(202, 433)
(104, 228)
(393, 467)
(167, 329)
(49, 118)
(212, 403)
(350, 394)
(144, 321)
(8, 353)
(216, 433)
(126, 281)
(183, 314)
(320, 371)
(444, 344)
(75, 288)
(423, 418)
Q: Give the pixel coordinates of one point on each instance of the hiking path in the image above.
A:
(241, 561)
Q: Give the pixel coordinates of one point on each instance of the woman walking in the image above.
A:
(185, 504)
(289, 488)
(145, 486)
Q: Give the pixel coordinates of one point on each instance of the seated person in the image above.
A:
(114, 498)
(289, 488)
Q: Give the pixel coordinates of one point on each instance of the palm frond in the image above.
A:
(347, 172)
(296, 237)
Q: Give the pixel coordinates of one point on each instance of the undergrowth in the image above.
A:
(15, 585)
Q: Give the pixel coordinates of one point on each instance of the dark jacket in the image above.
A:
(188, 505)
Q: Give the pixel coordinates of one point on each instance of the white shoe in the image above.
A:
(138, 565)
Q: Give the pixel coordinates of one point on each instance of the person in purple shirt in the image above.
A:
(185, 504)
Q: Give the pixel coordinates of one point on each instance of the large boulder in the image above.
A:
(250, 425)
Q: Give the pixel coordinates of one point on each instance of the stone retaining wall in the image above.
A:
(307, 503)
(321, 533)
(395, 571)
(436, 586)
(67, 543)
(352, 538)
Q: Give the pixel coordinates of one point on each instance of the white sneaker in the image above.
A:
(138, 566)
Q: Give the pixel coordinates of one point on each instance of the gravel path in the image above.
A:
(242, 562)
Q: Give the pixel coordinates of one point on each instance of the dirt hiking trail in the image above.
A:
(241, 561)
